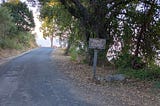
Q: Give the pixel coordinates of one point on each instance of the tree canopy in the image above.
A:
(21, 14)
(134, 23)
(16, 25)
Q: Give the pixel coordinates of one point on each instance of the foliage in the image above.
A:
(129, 61)
(135, 23)
(124, 61)
(55, 16)
(10, 43)
(6, 24)
(140, 35)
(151, 73)
(48, 28)
(22, 16)
(157, 84)
(73, 54)
(16, 20)
(19, 42)
(53, 11)
(25, 38)
(76, 51)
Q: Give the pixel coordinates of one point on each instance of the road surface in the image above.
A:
(33, 80)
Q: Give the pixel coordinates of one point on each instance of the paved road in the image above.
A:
(32, 80)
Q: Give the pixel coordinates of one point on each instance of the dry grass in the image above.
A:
(6, 53)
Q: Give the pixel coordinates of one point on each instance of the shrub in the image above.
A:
(152, 73)
(157, 84)
(73, 53)
(21, 40)
(124, 61)
(10, 43)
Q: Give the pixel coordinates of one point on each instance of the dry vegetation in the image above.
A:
(6, 54)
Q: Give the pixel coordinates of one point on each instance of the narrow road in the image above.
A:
(32, 80)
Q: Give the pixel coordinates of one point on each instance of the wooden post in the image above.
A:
(95, 63)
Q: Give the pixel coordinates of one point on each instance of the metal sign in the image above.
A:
(96, 43)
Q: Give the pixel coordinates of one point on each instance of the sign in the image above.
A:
(96, 43)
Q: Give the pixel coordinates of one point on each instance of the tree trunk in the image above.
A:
(51, 41)
(68, 47)
(138, 43)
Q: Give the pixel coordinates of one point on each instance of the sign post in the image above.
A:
(95, 63)
(95, 43)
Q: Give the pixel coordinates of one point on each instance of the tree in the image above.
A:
(16, 24)
(48, 28)
(135, 23)
(22, 16)
(140, 32)
(57, 17)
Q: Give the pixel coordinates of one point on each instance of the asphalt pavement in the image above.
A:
(33, 80)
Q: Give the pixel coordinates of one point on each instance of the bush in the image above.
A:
(152, 73)
(24, 38)
(76, 53)
(124, 61)
(21, 40)
(73, 53)
(130, 61)
(157, 84)
(10, 43)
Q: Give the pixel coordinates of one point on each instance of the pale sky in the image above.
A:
(39, 36)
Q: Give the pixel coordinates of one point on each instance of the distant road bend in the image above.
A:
(32, 80)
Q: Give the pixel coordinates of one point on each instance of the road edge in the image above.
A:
(5, 60)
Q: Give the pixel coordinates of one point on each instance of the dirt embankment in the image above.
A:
(7, 54)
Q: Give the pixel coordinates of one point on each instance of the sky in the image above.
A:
(38, 34)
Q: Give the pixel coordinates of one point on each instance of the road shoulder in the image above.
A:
(8, 54)
(130, 93)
